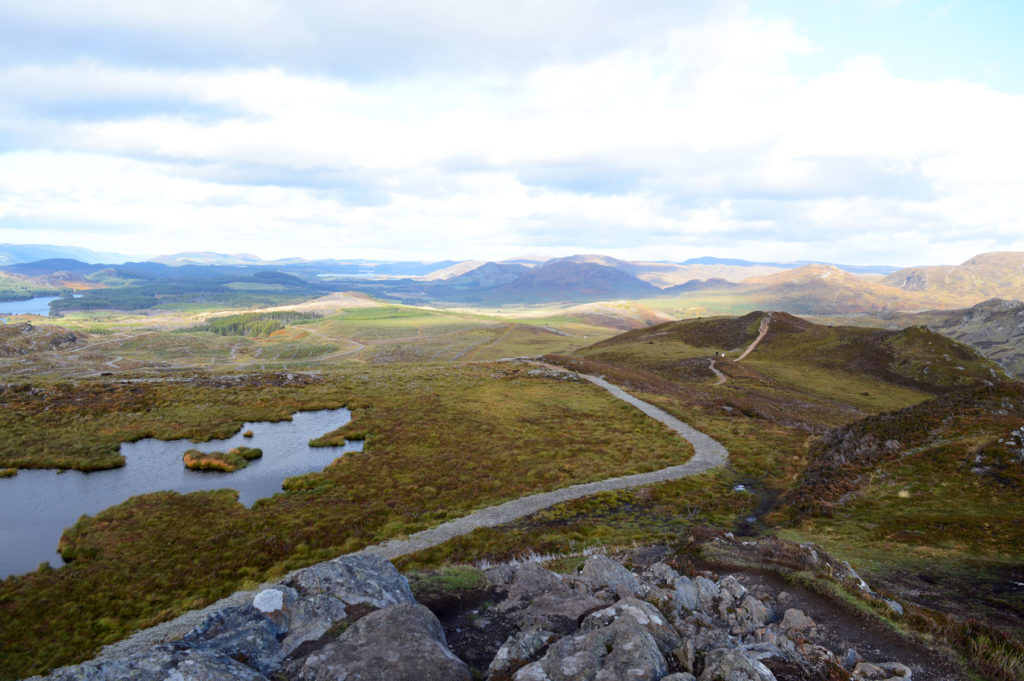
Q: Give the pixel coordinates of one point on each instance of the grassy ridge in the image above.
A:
(440, 441)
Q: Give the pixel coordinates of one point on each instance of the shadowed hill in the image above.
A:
(564, 280)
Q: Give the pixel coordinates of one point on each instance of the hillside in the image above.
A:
(567, 281)
(826, 289)
(994, 327)
(989, 275)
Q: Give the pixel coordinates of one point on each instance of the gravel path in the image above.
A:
(722, 378)
(707, 454)
(762, 331)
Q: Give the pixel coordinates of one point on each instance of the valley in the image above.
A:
(890, 439)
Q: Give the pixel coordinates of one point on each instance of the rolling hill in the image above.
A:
(989, 275)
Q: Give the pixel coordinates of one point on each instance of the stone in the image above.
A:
(686, 594)
(882, 671)
(241, 633)
(517, 650)
(559, 612)
(752, 613)
(707, 593)
(613, 653)
(680, 676)
(795, 621)
(733, 586)
(636, 613)
(686, 655)
(602, 571)
(161, 662)
(402, 642)
(353, 579)
(734, 665)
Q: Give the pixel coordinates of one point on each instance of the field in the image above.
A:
(453, 423)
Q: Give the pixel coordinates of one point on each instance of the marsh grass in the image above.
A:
(441, 442)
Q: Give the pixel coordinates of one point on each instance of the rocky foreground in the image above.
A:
(355, 618)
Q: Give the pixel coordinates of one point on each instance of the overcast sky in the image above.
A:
(854, 131)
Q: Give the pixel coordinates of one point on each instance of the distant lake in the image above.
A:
(40, 306)
(37, 505)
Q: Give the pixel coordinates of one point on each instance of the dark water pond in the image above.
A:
(36, 505)
(40, 306)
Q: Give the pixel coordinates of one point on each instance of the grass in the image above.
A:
(225, 462)
(441, 441)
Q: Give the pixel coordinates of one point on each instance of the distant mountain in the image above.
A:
(826, 289)
(853, 269)
(701, 285)
(994, 327)
(667, 274)
(11, 254)
(489, 275)
(207, 258)
(989, 275)
(564, 280)
(455, 270)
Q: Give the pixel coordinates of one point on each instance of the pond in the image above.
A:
(36, 505)
(40, 306)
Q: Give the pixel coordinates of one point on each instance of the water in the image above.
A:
(36, 505)
(40, 306)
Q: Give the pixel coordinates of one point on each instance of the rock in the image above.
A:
(525, 583)
(619, 651)
(519, 649)
(242, 633)
(733, 586)
(686, 594)
(734, 665)
(882, 671)
(402, 642)
(354, 579)
(795, 621)
(707, 593)
(602, 571)
(161, 662)
(660, 574)
(752, 613)
(686, 655)
(636, 613)
(339, 590)
(680, 676)
(558, 612)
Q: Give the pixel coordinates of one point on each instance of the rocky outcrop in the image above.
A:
(355, 618)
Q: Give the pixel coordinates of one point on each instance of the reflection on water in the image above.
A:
(36, 505)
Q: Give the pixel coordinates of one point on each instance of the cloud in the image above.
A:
(663, 133)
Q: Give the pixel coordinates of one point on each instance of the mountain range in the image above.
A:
(820, 289)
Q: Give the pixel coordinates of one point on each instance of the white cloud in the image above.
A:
(666, 141)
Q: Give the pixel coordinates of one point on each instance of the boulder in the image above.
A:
(619, 651)
(734, 664)
(603, 572)
(517, 650)
(161, 662)
(636, 613)
(402, 642)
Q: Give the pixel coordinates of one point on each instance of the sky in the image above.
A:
(851, 131)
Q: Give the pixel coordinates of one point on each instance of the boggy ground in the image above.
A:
(441, 441)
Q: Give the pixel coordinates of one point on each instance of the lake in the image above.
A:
(36, 505)
(40, 306)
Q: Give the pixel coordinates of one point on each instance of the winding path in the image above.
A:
(762, 331)
(707, 454)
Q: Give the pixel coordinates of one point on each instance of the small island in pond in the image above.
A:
(226, 462)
